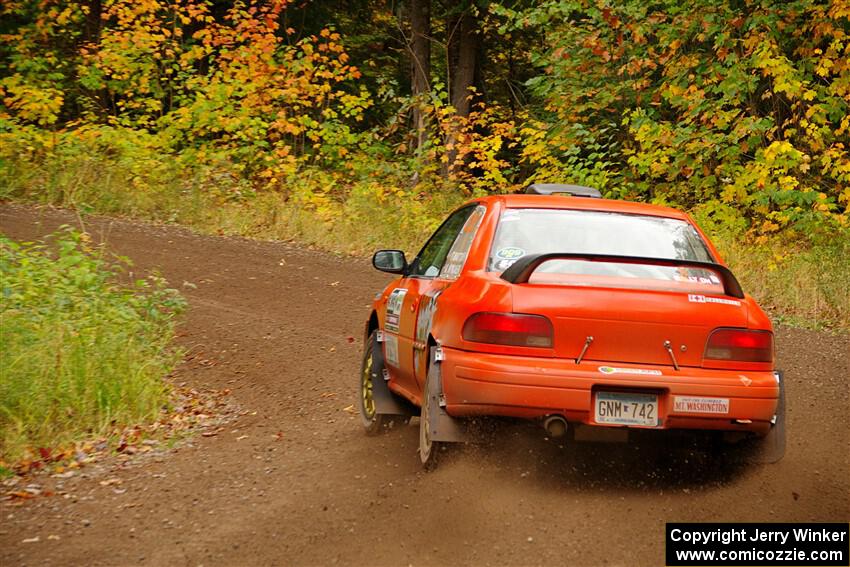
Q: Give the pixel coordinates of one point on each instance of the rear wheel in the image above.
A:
(429, 449)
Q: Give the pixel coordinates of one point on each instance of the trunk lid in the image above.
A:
(630, 325)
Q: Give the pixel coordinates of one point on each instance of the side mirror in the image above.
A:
(390, 261)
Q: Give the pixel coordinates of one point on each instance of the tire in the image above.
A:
(371, 369)
(429, 450)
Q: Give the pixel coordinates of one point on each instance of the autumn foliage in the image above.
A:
(234, 88)
(300, 119)
(723, 105)
(696, 103)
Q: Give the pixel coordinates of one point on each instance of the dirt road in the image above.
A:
(276, 319)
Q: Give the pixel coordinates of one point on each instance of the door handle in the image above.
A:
(414, 304)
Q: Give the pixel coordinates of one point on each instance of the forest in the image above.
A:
(353, 124)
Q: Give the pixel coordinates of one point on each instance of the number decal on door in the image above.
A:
(394, 303)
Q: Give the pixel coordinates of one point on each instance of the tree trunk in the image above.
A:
(463, 55)
(465, 49)
(420, 55)
(93, 21)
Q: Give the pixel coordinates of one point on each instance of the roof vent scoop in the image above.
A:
(562, 189)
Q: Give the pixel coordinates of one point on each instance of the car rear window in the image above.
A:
(544, 231)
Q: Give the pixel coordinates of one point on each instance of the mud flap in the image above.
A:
(441, 425)
(386, 402)
(771, 448)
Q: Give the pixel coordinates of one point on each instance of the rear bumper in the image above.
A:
(530, 387)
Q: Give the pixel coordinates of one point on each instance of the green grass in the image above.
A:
(805, 286)
(84, 350)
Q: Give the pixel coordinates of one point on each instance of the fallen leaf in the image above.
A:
(349, 409)
(21, 494)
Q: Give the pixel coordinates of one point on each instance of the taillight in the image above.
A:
(513, 329)
(740, 345)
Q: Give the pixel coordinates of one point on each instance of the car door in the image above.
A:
(423, 277)
(449, 272)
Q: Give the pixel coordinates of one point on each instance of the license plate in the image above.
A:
(618, 408)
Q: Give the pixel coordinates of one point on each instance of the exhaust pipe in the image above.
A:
(555, 426)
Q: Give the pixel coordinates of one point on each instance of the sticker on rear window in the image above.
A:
(693, 298)
(692, 404)
(640, 371)
(510, 253)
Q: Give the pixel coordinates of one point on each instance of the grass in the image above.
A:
(83, 350)
(802, 284)
(806, 286)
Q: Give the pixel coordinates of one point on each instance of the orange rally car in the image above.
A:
(582, 312)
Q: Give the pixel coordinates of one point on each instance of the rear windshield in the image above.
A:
(543, 231)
